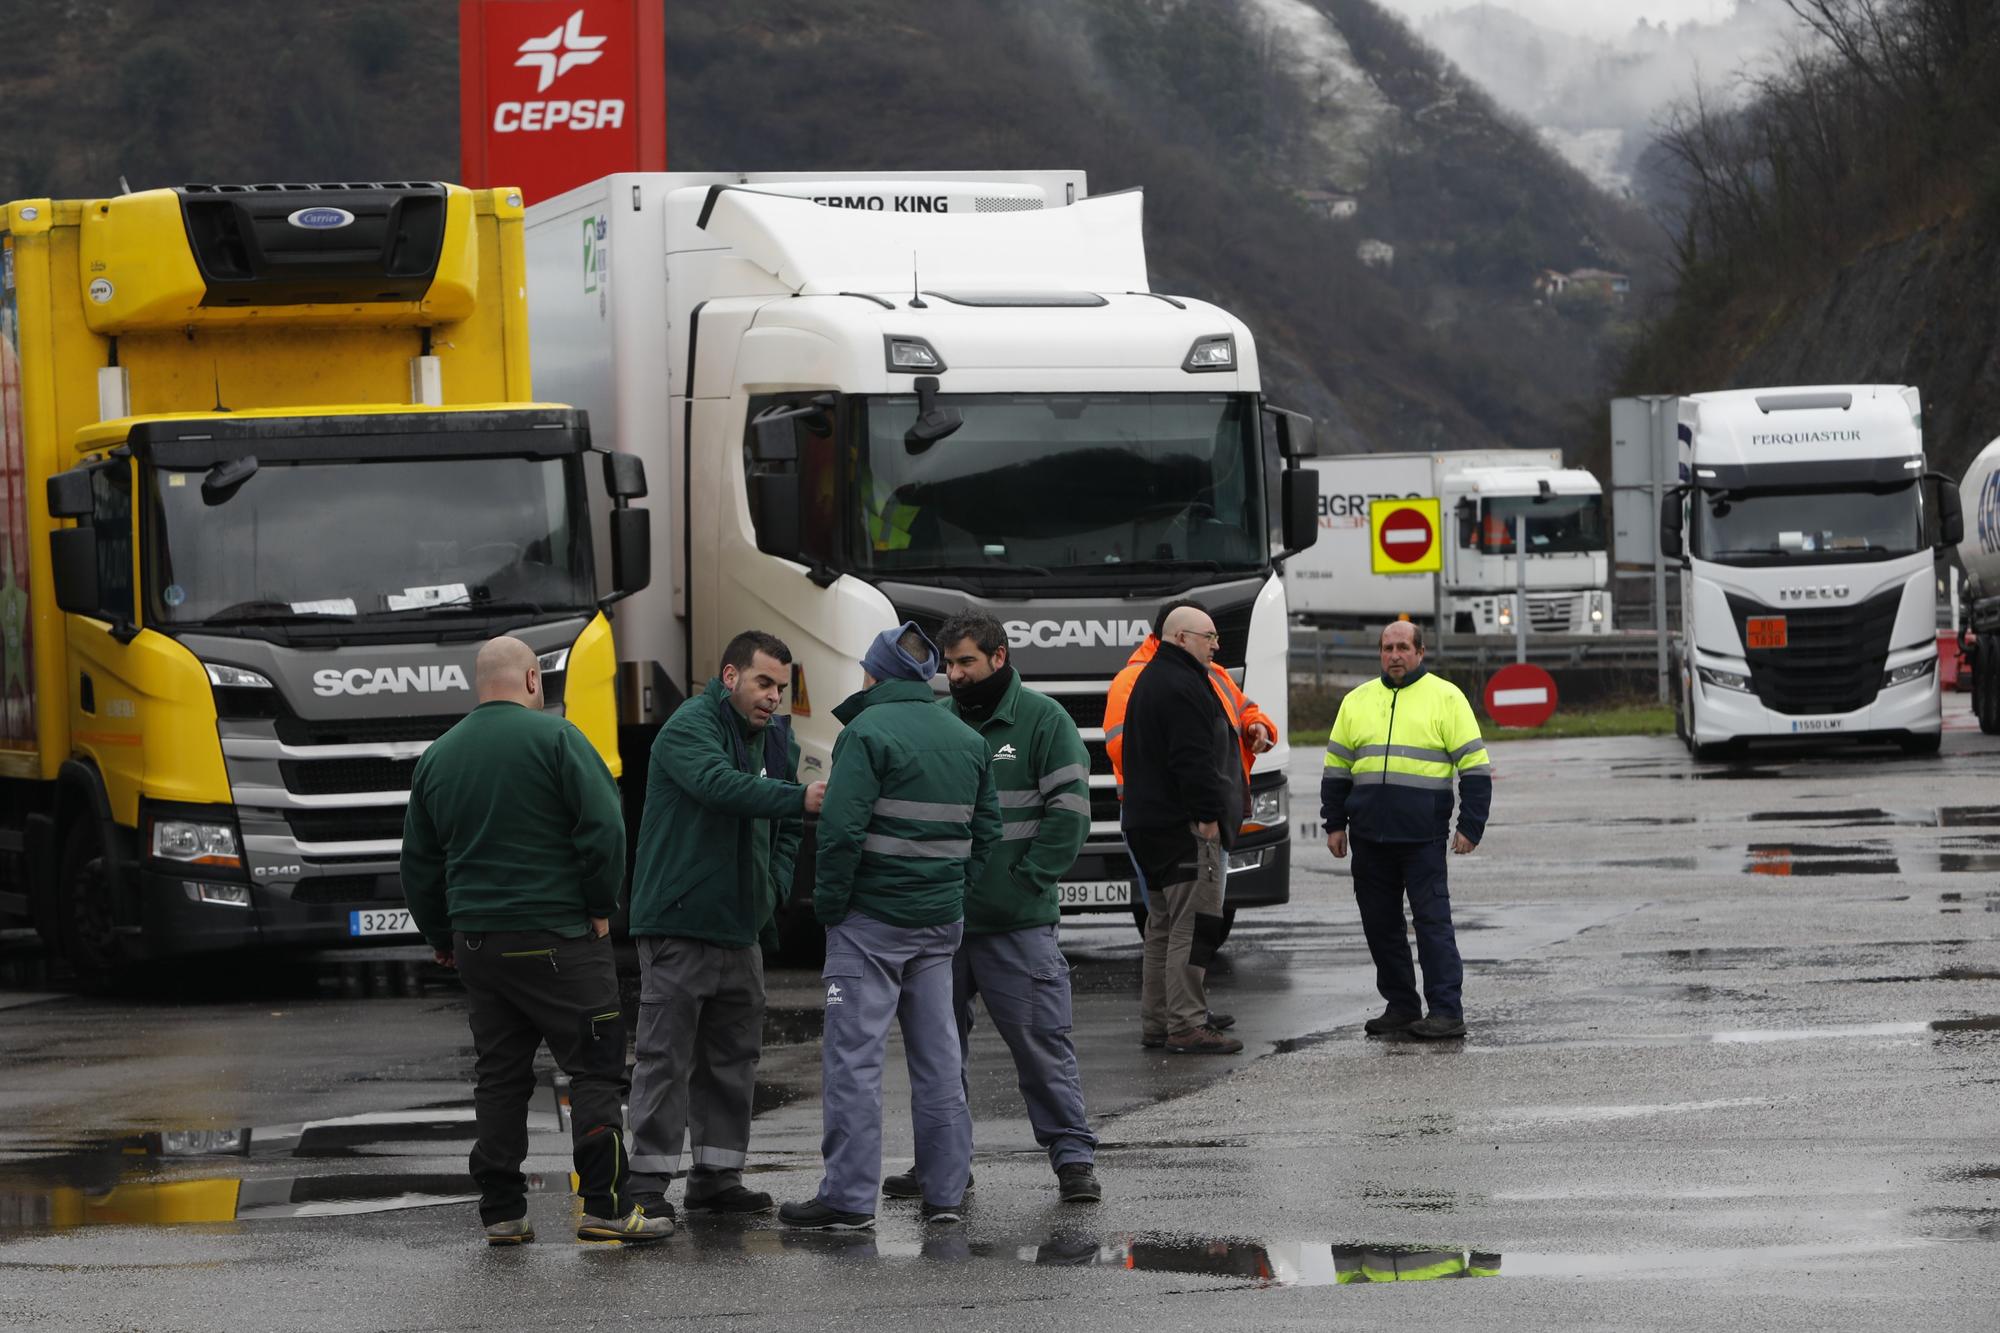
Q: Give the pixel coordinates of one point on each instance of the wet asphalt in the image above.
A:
(1734, 1060)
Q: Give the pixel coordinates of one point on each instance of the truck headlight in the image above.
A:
(1903, 675)
(1506, 613)
(1268, 809)
(193, 842)
(1724, 680)
(234, 677)
(550, 663)
(1596, 613)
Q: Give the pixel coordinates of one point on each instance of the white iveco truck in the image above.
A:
(1807, 529)
(871, 398)
(1481, 493)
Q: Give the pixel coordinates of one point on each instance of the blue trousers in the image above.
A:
(1384, 874)
(1024, 980)
(877, 974)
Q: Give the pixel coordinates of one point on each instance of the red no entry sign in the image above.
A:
(1521, 695)
(1407, 536)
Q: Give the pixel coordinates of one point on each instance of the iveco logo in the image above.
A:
(1077, 633)
(429, 679)
(1834, 592)
(321, 219)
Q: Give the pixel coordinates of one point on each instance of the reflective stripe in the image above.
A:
(654, 1163)
(1476, 743)
(1070, 801)
(1422, 754)
(1010, 799)
(935, 811)
(939, 850)
(1027, 828)
(1113, 733)
(725, 1158)
(1339, 751)
(1474, 757)
(1062, 777)
(1395, 779)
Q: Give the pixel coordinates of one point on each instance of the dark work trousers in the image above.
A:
(1023, 978)
(523, 988)
(1384, 872)
(1185, 885)
(701, 1030)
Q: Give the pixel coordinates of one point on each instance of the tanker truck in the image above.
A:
(1980, 554)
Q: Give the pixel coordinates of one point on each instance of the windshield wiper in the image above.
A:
(1175, 566)
(273, 613)
(478, 607)
(1036, 570)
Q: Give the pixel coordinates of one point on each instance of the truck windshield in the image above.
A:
(302, 540)
(1778, 527)
(1085, 484)
(1558, 525)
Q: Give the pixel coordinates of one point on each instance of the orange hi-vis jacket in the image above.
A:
(1241, 712)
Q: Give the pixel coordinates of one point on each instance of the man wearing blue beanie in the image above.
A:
(909, 819)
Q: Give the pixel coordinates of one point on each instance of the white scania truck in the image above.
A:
(1807, 530)
(1481, 493)
(868, 398)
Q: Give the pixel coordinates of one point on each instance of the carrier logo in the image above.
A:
(427, 679)
(1832, 592)
(560, 52)
(1077, 633)
(321, 219)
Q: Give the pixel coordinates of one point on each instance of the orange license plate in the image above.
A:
(1766, 631)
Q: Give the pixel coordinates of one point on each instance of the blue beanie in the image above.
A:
(886, 659)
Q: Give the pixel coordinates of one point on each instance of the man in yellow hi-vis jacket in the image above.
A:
(1395, 748)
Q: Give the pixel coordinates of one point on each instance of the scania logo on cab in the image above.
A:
(1077, 633)
(428, 679)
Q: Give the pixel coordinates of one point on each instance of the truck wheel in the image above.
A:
(84, 912)
(1986, 686)
(1920, 742)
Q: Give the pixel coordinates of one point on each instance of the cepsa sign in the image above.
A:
(554, 93)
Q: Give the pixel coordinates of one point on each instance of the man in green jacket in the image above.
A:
(909, 823)
(513, 852)
(716, 846)
(1011, 956)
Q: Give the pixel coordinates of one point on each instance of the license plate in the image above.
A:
(1817, 723)
(1095, 893)
(392, 921)
(1766, 631)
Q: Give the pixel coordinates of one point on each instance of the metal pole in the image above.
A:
(1659, 557)
(1520, 587)
(1437, 611)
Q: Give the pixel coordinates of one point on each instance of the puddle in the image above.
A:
(29, 1204)
(1758, 1036)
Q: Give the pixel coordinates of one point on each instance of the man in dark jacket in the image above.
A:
(1185, 799)
(721, 828)
(513, 852)
(910, 821)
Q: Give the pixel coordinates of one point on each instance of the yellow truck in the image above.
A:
(269, 476)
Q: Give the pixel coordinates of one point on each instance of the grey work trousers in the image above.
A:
(701, 1031)
(877, 974)
(1184, 892)
(1023, 978)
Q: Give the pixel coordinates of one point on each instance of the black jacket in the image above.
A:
(1182, 764)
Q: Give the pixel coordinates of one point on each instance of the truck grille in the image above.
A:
(1552, 615)
(1833, 658)
(363, 824)
(301, 731)
(349, 889)
(328, 777)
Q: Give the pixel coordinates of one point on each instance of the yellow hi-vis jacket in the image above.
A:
(1391, 759)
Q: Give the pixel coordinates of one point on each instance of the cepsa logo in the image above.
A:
(551, 56)
(1351, 510)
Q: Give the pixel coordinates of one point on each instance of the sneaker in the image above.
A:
(1077, 1182)
(944, 1212)
(1221, 1022)
(517, 1232)
(819, 1215)
(632, 1228)
(737, 1201)
(1203, 1041)
(905, 1185)
(1438, 1026)
(1390, 1020)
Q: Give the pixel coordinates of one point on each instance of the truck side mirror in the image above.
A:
(631, 551)
(624, 476)
(70, 495)
(1949, 508)
(774, 499)
(1299, 493)
(1671, 546)
(1295, 433)
(73, 563)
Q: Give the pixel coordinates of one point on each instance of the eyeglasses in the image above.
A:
(1211, 635)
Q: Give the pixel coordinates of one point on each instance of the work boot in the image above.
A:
(1390, 1020)
(633, 1228)
(819, 1215)
(1078, 1183)
(1221, 1022)
(735, 1200)
(1152, 1041)
(944, 1213)
(517, 1232)
(1438, 1026)
(907, 1186)
(1202, 1041)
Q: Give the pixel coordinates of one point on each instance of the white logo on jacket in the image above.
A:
(833, 995)
(1004, 752)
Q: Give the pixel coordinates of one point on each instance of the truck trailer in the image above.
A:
(1481, 494)
(873, 398)
(269, 476)
(1807, 530)
(1979, 552)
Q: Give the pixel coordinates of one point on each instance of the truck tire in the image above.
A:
(1986, 684)
(85, 917)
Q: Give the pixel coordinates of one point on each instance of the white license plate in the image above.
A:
(1818, 723)
(393, 921)
(1095, 893)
